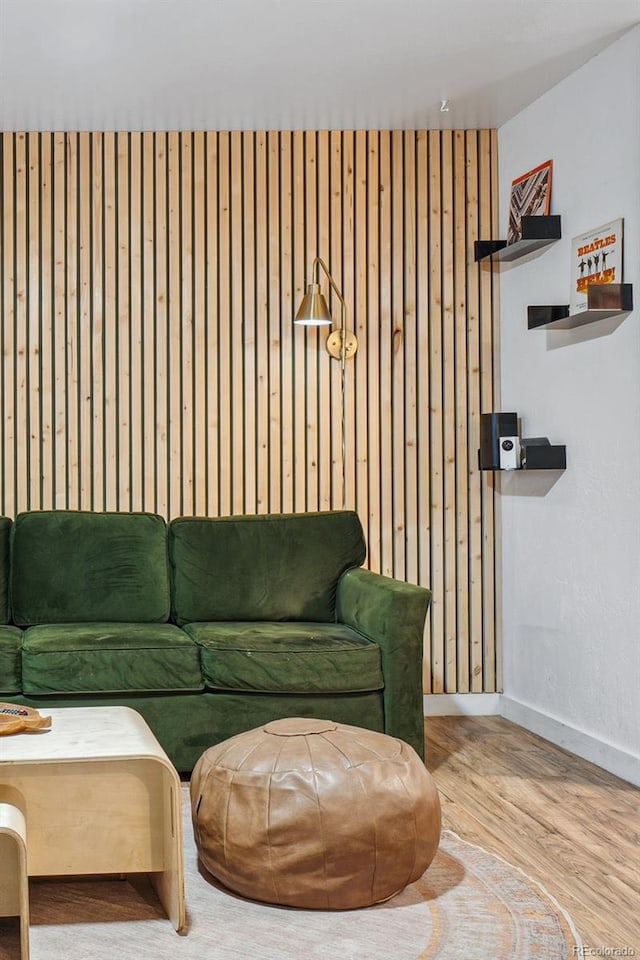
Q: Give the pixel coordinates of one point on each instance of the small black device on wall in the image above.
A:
(502, 449)
(499, 441)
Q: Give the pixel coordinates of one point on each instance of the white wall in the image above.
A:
(571, 548)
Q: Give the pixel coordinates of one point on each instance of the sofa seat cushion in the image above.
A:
(80, 567)
(266, 567)
(109, 658)
(10, 659)
(287, 657)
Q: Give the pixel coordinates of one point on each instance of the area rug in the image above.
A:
(469, 905)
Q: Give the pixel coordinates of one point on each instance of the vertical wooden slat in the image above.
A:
(334, 263)
(134, 239)
(247, 345)
(155, 486)
(72, 343)
(124, 433)
(386, 359)
(200, 452)
(236, 385)
(285, 343)
(173, 337)
(224, 326)
(47, 324)
(300, 334)
(29, 311)
(21, 328)
(311, 336)
(186, 321)
(33, 269)
(111, 330)
(263, 352)
(348, 292)
(325, 421)
(359, 433)
(160, 354)
(338, 492)
(411, 495)
(486, 397)
(3, 138)
(94, 442)
(7, 358)
(397, 355)
(422, 384)
(212, 329)
(147, 287)
(437, 452)
(449, 410)
(461, 399)
(61, 397)
(372, 355)
(84, 322)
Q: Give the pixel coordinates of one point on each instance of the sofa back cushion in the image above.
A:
(5, 534)
(268, 567)
(10, 660)
(74, 567)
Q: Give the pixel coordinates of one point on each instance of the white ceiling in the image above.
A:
(290, 64)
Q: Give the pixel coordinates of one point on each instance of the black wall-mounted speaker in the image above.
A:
(492, 427)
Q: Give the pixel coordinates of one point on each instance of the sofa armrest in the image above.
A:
(391, 613)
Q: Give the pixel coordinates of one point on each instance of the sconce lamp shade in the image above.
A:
(313, 311)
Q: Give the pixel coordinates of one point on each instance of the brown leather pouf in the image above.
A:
(314, 814)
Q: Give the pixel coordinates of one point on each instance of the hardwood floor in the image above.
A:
(568, 824)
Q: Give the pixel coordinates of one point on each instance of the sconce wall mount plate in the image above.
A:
(334, 344)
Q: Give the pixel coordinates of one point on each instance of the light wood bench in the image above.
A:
(14, 882)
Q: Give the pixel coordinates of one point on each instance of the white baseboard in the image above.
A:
(461, 704)
(619, 762)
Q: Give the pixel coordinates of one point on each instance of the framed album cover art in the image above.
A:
(530, 196)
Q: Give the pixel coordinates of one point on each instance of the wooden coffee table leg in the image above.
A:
(169, 883)
(14, 883)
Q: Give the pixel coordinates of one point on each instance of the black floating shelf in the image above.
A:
(537, 232)
(603, 300)
(539, 456)
(543, 456)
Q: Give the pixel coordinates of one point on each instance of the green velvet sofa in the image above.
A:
(208, 626)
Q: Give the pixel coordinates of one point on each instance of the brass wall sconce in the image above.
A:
(314, 312)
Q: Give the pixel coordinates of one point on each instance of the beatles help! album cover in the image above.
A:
(596, 257)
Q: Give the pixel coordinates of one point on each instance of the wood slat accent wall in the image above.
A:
(147, 288)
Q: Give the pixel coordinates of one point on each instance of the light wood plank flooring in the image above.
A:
(567, 823)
